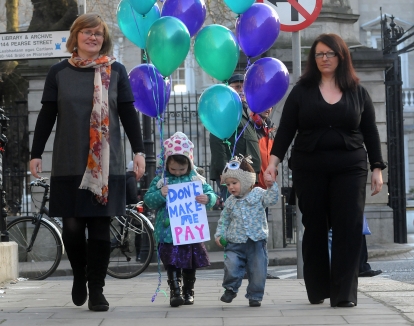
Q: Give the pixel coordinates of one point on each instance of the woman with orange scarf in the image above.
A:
(87, 95)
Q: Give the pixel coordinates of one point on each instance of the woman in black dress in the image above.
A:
(87, 95)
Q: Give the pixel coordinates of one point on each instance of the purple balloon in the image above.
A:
(257, 29)
(191, 12)
(151, 92)
(265, 84)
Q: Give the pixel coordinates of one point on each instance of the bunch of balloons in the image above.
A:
(217, 51)
(165, 36)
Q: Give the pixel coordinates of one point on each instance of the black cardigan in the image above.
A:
(301, 117)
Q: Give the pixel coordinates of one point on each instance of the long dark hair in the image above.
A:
(345, 75)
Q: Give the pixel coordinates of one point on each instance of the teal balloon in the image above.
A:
(168, 43)
(220, 110)
(217, 51)
(135, 26)
(142, 6)
(239, 6)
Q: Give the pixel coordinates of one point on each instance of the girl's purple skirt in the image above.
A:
(189, 256)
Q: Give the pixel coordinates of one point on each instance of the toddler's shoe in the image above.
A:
(254, 303)
(228, 296)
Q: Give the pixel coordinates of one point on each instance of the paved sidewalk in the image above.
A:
(380, 302)
(279, 257)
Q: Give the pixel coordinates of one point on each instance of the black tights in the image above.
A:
(74, 229)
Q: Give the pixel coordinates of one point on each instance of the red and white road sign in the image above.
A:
(295, 15)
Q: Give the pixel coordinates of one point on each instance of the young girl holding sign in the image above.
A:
(179, 260)
(242, 230)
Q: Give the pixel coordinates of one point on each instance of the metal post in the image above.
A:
(297, 70)
(4, 123)
(150, 167)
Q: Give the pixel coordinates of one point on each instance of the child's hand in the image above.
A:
(218, 242)
(164, 191)
(269, 181)
(202, 199)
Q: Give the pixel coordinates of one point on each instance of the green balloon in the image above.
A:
(217, 51)
(168, 43)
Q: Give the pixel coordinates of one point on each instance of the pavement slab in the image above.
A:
(380, 302)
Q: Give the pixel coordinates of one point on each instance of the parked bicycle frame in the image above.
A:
(40, 245)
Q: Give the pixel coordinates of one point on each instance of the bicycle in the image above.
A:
(40, 245)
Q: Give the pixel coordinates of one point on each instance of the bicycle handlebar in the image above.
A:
(41, 182)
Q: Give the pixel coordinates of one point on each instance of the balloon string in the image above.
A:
(160, 169)
(248, 64)
(236, 138)
(145, 56)
(136, 24)
(155, 93)
(159, 278)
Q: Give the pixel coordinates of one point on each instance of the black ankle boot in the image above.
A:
(188, 286)
(98, 260)
(174, 281)
(77, 258)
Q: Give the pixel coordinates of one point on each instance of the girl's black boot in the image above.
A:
(174, 281)
(188, 286)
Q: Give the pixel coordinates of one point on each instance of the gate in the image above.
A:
(15, 160)
(392, 36)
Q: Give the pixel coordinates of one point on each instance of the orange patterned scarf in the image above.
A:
(96, 174)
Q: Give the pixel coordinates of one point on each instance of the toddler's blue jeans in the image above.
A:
(250, 257)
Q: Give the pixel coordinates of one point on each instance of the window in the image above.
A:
(178, 84)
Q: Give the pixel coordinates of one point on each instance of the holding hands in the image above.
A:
(269, 179)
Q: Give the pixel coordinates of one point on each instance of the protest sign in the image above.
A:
(188, 219)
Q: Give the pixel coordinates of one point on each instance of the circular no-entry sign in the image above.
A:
(295, 15)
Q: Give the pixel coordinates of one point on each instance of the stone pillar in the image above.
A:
(370, 65)
(35, 73)
(9, 263)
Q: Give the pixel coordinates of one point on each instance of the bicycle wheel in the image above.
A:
(44, 258)
(132, 257)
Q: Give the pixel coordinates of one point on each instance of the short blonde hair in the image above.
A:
(89, 20)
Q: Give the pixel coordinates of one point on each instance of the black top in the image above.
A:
(318, 125)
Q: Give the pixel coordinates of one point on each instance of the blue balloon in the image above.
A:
(191, 12)
(265, 84)
(151, 92)
(239, 6)
(135, 26)
(220, 110)
(142, 6)
(257, 29)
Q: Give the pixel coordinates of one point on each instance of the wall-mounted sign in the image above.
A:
(36, 45)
